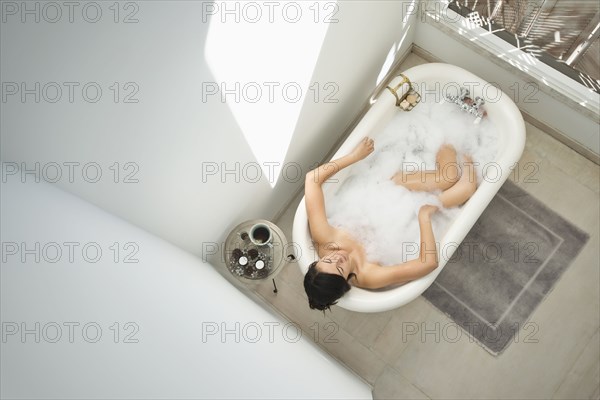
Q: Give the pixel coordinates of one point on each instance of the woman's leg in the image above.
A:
(445, 175)
(462, 190)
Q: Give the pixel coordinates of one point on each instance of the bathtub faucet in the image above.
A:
(473, 108)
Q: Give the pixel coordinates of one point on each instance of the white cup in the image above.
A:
(260, 234)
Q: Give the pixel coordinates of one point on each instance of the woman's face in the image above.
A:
(337, 263)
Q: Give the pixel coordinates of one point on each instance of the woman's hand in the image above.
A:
(363, 149)
(427, 210)
(323, 172)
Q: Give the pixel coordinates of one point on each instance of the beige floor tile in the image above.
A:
(392, 385)
(364, 327)
(292, 304)
(348, 319)
(563, 194)
(526, 169)
(411, 61)
(545, 146)
(372, 327)
(441, 361)
(584, 377)
(291, 274)
(394, 337)
(356, 356)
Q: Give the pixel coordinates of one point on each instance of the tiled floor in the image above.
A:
(558, 356)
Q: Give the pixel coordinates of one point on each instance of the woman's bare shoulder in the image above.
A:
(368, 275)
(335, 240)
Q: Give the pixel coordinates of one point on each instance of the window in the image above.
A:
(561, 33)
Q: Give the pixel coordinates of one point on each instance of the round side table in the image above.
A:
(250, 260)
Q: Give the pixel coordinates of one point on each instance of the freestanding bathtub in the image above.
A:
(432, 81)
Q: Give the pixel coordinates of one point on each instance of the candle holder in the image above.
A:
(255, 250)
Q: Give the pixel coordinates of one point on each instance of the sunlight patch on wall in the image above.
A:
(391, 57)
(408, 10)
(262, 56)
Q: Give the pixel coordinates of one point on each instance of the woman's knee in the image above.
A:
(448, 174)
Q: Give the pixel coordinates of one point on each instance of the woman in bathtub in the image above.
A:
(342, 260)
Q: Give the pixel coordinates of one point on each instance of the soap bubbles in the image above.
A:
(382, 215)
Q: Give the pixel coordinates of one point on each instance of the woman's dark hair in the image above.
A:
(324, 289)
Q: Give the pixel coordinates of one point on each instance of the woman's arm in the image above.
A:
(380, 277)
(427, 252)
(325, 171)
(320, 229)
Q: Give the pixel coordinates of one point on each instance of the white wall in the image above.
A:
(90, 324)
(171, 132)
(579, 126)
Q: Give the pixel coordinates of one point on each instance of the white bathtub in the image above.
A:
(432, 81)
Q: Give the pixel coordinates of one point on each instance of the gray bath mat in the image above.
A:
(510, 260)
